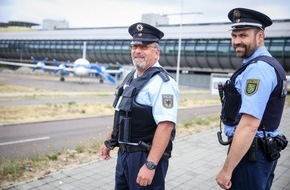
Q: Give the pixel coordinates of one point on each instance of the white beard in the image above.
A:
(139, 65)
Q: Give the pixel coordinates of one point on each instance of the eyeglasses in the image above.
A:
(142, 47)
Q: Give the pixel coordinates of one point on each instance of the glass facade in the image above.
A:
(206, 55)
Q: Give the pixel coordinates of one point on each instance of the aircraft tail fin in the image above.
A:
(84, 50)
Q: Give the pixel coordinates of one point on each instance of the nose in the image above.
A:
(236, 40)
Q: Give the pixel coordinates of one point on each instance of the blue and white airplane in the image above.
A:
(81, 67)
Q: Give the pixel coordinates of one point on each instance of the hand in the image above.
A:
(145, 176)
(104, 153)
(224, 180)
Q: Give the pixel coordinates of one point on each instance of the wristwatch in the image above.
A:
(150, 165)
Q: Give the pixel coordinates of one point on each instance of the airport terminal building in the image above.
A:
(205, 48)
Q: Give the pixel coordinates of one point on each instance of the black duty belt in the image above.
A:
(132, 148)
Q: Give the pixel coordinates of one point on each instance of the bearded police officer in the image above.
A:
(145, 116)
(253, 101)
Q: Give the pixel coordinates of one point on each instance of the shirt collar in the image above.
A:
(157, 64)
(260, 51)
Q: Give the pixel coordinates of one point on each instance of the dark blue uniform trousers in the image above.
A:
(127, 169)
(256, 175)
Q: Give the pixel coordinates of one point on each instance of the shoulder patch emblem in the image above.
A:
(252, 86)
(167, 100)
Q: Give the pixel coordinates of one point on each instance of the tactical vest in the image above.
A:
(133, 121)
(273, 112)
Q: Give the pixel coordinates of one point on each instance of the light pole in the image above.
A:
(180, 38)
(179, 45)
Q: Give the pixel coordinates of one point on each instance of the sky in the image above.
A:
(108, 13)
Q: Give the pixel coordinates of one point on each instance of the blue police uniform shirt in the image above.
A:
(153, 94)
(255, 104)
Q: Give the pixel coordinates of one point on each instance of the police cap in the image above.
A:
(243, 18)
(143, 33)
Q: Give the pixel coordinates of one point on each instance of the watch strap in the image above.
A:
(150, 165)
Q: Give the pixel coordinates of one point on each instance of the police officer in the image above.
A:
(253, 101)
(145, 116)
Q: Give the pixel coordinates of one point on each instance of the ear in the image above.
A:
(260, 37)
(157, 52)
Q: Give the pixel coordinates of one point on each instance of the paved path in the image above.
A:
(196, 161)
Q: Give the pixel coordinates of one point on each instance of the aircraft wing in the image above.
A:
(69, 69)
(27, 65)
(16, 64)
(48, 67)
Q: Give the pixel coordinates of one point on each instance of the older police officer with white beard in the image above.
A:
(145, 116)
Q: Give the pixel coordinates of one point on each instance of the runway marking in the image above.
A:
(24, 141)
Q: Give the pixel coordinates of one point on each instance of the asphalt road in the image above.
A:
(32, 139)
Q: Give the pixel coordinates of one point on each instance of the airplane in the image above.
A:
(81, 67)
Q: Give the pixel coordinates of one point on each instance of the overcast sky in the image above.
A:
(101, 13)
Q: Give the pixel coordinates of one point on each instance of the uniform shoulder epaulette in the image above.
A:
(164, 76)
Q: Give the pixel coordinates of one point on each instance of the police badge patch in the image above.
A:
(167, 100)
(252, 86)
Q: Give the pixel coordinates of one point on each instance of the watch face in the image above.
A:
(150, 165)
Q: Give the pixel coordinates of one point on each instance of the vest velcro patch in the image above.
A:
(252, 86)
(167, 100)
